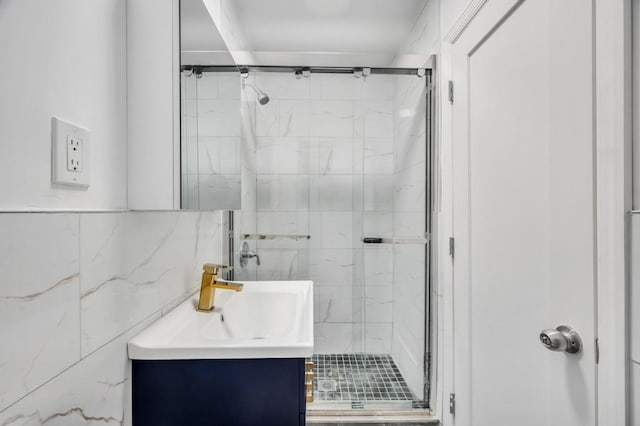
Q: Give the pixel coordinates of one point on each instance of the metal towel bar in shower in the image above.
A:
(395, 240)
(274, 237)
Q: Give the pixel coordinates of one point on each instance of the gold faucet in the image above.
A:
(210, 282)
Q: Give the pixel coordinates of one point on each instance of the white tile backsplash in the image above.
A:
(103, 277)
(39, 306)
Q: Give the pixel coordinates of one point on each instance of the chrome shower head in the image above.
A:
(263, 98)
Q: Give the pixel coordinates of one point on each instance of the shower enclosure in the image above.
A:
(332, 173)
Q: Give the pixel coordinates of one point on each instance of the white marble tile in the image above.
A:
(208, 154)
(278, 264)
(282, 155)
(410, 189)
(332, 86)
(95, 391)
(331, 118)
(219, 117)
(380, 87)
(207, 85)
(294, 118)
(268, 119)
(378, 304)
(377, 224)
(331, 267)
(378, 193)
(331, 193)
(333, 156)
(219, 192)
(378, 265)
(188, 87)
(228, 85)
(331, 229)
(332, 338)
(377, 338)
(283, 85)
(378, 119)
(230, 157)
(378, 156)
(332, 303)
(39, 313)
(190, 155)
(409, 224)
(134, 263)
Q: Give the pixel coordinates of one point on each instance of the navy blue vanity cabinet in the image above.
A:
(220, 392)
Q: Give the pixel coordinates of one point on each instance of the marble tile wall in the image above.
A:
(75, 287)
(635, 318)
(211, 135)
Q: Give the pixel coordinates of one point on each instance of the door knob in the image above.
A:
(561, 339)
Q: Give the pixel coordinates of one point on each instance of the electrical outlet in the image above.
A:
(70, 154)
(74, 154)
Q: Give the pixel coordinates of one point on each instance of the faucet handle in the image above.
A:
(213, 268)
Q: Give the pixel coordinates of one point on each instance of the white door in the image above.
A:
(524, 200)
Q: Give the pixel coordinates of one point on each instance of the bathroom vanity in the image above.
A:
(241, 364)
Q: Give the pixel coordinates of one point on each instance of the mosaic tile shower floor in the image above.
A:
(359, 378)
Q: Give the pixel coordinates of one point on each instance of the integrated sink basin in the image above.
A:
(267, 319)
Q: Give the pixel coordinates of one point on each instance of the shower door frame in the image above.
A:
(429, 374)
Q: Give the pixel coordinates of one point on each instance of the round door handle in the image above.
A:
(561, 339)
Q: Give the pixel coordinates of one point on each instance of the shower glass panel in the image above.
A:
(334, 188)
(329, 160)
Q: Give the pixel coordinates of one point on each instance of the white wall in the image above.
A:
(153, 98)
(65, 58)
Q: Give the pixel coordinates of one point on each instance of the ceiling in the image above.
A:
(360, 28)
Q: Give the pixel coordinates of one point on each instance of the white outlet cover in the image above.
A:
(62, 133)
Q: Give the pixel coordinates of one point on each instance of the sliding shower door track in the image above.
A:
(412, 417)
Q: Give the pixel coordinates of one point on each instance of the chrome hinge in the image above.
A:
(452, 403)
(452, 248)
(450, 91)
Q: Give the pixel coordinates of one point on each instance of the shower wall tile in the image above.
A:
(332, 303)
(331, 118)
(331, 193)
(331, 266)
(228, 85)
(207, 86)
(96, 390)
(219, 192)
(378, 303)
(378, 265)
(378, 338)
(380, 88)
(133, 264)
(268, 119)
(282, 192)
(409, 189)
(218, 117)
(378, 119)
(332, 87)
(378, 156)
(331, 230)
(332, 156)
(282, 155)
(333, 338)
(377, 224)
(39, 307)
(294, 118)
(378, 193)
(283, 85)
(278, 265)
